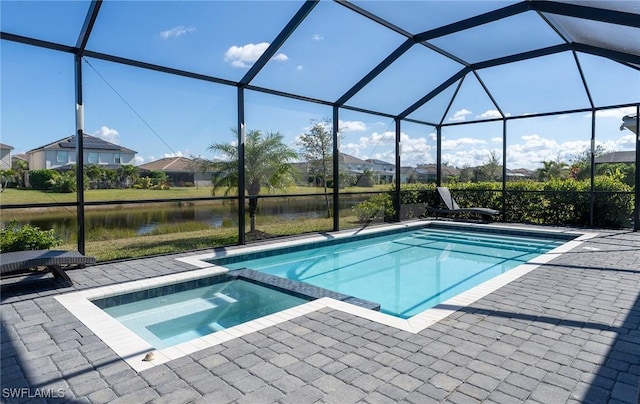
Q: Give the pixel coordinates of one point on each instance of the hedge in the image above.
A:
(555, 202)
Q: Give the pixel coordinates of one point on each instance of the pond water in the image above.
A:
(143, 219)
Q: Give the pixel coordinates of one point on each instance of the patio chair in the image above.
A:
(486, 214)
(21, 262)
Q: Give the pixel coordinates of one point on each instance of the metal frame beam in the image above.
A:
(586, 12)
(400, 50)
(472, 22)
(434, 92)
(81, 43)
(277, 43)
(618, 56)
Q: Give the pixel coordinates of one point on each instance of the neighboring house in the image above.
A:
(616, 157)
(408, 175)
(5, 156)
(182, 171)
(383, 171)
(520, 174)
(427, 172)
(353, 165)
(61, 154)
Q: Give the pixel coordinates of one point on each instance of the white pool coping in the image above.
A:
(133, 349)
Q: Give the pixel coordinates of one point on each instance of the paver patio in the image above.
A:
(567, 332)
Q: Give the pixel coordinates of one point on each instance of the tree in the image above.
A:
(491, 170)
(317, 149)
(127, 173)
(94, 173)
(5, 176)
(553, 169)
(267, 163)
(19, 168)
(581, 162)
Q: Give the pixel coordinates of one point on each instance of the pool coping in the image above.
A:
(133, 349)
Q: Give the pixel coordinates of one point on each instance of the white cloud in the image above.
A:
(138, 160)
(317, 37)
(281, 57)
(627, 142)
(299, 67)
(496, 140)
(536, 142)
(176, 32)
(617, 113)
(460, 115)
(535, 149)
(245, 56)
(108, 134)
(489, 114)
(461, 142)
(351, 126)
(176, 154)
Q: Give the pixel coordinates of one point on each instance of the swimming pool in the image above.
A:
(169, 319)
(406, 272)
(199, 268)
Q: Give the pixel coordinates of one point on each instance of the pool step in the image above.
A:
(179, 309)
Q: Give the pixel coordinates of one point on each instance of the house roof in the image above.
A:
(379, 162)
(90, 143)
(5, 146)
(617, 157)
(174, 164)
(349, 159)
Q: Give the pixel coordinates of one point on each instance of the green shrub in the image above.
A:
(525, 202)
(26, 237)
(41, 179)
(376, 207)
(64, 183)
(613, 204)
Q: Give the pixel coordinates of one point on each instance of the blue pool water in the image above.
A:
(407, 272)
(173, 318)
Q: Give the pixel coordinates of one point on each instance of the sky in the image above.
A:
(160, 115)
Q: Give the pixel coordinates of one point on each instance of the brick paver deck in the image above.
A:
(567, 332)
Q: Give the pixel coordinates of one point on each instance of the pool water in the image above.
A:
(407, 272)
(173, 318)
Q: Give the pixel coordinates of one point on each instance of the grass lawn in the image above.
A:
(129, 247)
(13, 196)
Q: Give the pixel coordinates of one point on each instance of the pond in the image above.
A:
(143, 219)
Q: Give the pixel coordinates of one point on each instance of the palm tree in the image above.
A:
(19, 168)
(267, 163)
(6, 176)
(94, 173)
(127, 174)
(553, 169)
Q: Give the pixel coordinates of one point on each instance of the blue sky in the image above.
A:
(159, 115)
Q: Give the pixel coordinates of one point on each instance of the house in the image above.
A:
(5, 156)
(616, 157)
(61, 154)
(384, 172)
(182, 171)
(427, 172)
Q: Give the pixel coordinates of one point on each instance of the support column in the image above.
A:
(397, 197)
(336, 169)
(241, 179)
(79, 155)
(636, 215)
